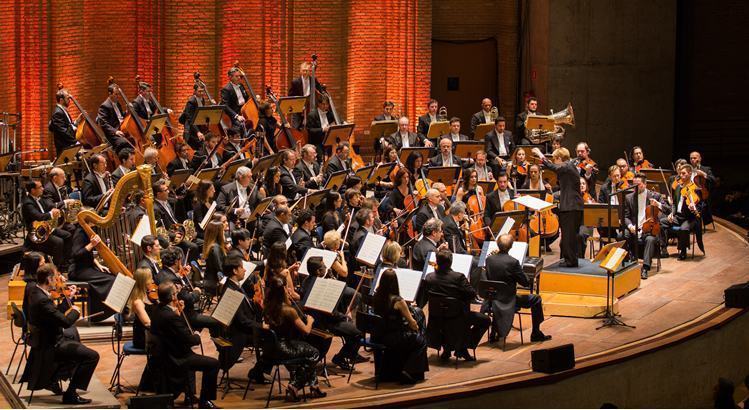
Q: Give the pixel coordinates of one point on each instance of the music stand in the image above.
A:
(657, 174)
(260, 208)
(481, 130)
(338, 133)
(381, 172)
(598, 215)
(292, 104)
(437, 129)
(539, 122)
(656, 186)
(364, 172)
(264, 163)
(231, 169)
(310, 201)
(65, 156)
(488, 186)
(156, 124)
(179, 177)
(405, 152)
(209, 115)
(499, 218)
(382, 129)
(335, 180)
(445, 175)
(467, 149)
(540, 194)
(206, 175)
(5, 160)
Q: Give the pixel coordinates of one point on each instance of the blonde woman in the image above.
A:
(332, 241)
(140, 306)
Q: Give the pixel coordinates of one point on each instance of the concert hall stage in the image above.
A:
(675, 307)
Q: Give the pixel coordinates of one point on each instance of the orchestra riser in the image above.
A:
(101, 397)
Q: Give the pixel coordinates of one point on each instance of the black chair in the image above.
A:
(369, 323)
(447, 326)
(19, 321)
(164, 367)
(121, 352)
(501, 291)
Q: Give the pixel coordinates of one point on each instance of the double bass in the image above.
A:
(293, 138)
(167, 150)
(356, 160)
(225, 123)
(132, 125)
(251, 109)
(88, 133)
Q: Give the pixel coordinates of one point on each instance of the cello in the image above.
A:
(476, 204)
(89, 134)
(294, 138)
(132, 125)
(251, 109)
(356, 160)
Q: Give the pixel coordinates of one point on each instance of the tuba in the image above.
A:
(542, 128)
(566, 116)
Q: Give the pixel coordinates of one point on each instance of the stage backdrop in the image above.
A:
(368, 52)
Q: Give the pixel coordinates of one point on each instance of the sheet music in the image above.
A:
(408, 283)
(324, 294)
(371, 248)
(461, 263)
(533, 202)
(487, 249)
(340, 229)
(518, 251)
(509, 222)
(328, 257)
(120, 292)
(227, 306)
(288, 243)
(142, 229)
(615, 258)
(208, 215)
(249, 267)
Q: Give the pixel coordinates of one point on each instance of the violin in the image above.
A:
(60, 290)
(153, 292)
(644, 164)
(588, 199)
(583, 164)
(691, 197)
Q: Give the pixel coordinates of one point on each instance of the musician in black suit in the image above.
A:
(277, 228)
(96, 183)
(482, 117)
(308, 169)
(432, 208)
(193, 135)
(176, 340)
(165, 212)
(61, 124)
(233, 194)
(109, 118)
(50, 349)
(498, 149)
(292, 187)
(340, 161)
(151, 249)
(695, 159)
(635, 216)
(85, 269)
(681, 214)
(56, 193)
(300, 86)
(570, 202)
(454, 133)
(127, 164)
(181, 161)
(143, 105)
(446, 158)
(586, 166)
(496, 199)
(431, 241)
(446, 282)
(35, 208)
(454, 235)
(530, 108)
(234, 97)
(404, 138)
(318, 122)
(301, 239)
(428, 118)
(503, 267)
(216, 160)
(387, 115)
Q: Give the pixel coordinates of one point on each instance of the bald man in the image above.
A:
(483, 116)
(405, 138)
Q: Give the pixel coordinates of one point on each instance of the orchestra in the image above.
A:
(217, 206)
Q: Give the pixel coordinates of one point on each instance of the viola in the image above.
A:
(691, 196)
(644, 164)
(583, 164)
(153, 292)
(651, 224)
(628, 176)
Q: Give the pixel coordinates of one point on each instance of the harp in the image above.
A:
(113, 259)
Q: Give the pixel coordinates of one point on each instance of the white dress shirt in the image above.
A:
(238, 91)
(323, 118)
(100, 180)
(405, 141)
(68, 115)
(502, 148)
(504, 196)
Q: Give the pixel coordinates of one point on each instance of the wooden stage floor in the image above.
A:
(682, 291)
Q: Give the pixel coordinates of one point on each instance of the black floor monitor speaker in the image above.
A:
(158, 401)
(737, 296)
(554, 359)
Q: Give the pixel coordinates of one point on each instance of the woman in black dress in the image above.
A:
(415, 166)
(140, 307)
(204, 199)
(291, 328)
(268, 123)
(271, 183)
(214, 251)
(406, 355)
(331, 218)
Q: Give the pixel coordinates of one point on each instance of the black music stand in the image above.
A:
(155, 125)
(481, 130)
(231, 169)
(405, 152)
(336, 180)
(310, 201)
(205, 175)
(380, 173)
(209, 115)
(382, 129)
(292, 104)
(264, 163)
(445, 175)
(260, 209)
(337, 133)
(467, 149)
(437, 129)
(179, 177)
(364, 172)
(499, 218)
(66, 156)
(488, 186)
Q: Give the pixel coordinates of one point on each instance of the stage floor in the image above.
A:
(682, 291)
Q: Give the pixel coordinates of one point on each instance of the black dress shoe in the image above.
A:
(341, 362)
(664, 253)
(682, 254)
(207, 404)
(644, 273)
(445, 356)
(539, 337)
(465, 356)
(74, 399)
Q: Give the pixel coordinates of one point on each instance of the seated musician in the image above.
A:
(233, 97)
(267, 123)
(454, 133)
(151, 249)
(612, 184)
(519, 169)
(469, 187)
(586, 166)
(391, 257)
(318, 122)
(176, 341)
(453, 227)
(271, 183)
(233, 199)
(416, 167)
(165, 212)
(498, 145)
(431, 208)
(151, 157)
(141, 308)
(181, 161)
(556, 143)
(624, 172)
(277, 265)
(292, 328)
(482, 168)
(143, 105)
(97, 183)
(387, 115)
(585, 232)
(444, 198)
(332, 241)
(171, 260)
(446, 282)
(353, 199)
(431, 241)
(109, 118)
(34, 208)
(403, 138)
(429, 117)
(308, 170)
(331, 219)
(446, 157)
(50, 349)
(203, 200)
(292, 186)
(61, 124)
(530, 108)
(337, 322)
(638, 160)
(302, 239)
(399, 193)
(683, 211)
(193, 135)
(587, 197)
(635, 218)
(705, 180)
(340, 161)
(201, 154)
(505, 268)
(534, 182)
(482, 117)
(127, 164)
(365, 219)
(406, 357)
(495, 200)
(278, 228)
(214, 252)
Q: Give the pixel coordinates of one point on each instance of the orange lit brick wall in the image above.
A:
(368, 52)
